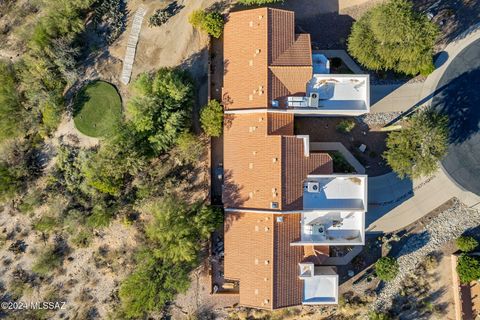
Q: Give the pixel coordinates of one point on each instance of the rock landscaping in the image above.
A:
(378, 118)
(446, 227)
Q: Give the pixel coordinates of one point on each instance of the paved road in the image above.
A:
(458, 95)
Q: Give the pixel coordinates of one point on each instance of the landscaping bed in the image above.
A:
(325, 130)
(97, 109)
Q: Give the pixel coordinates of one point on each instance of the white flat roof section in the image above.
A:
(337, 94)
(321, 288)
(335, 192)
(332, 228)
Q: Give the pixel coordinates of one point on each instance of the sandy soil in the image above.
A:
(169, 45)
(444, 284)
(79, 277)
(69, 134)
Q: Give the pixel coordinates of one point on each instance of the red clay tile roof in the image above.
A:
(262, 168)
(264, 162)
(298, 54)
(280, 124)
(296, 167)
(263, 58)
(245, 59)
(252, 162)
(249, 256)
(287, 287)
(251, 239)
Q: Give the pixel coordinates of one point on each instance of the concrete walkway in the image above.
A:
(396, 203)
(395, 97)
(337, 146)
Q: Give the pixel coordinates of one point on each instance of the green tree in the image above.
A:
(211, 118)
(154, 283)
(209, 22)
(466, 243)
(12, 113)
(468, 268)
(178, 229)
(386, 268)
(415, 150)
(393, 36)
(161, 107)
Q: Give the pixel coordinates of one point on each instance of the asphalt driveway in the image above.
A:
(458, 95)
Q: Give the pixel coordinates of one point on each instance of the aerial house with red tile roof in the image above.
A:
(284, 206)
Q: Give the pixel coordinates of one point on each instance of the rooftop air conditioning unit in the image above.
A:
(313, 100)
(313, 187)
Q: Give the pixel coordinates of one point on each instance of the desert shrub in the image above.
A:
(345, 126)
(33, 199)
(468, 268)
(178, 230)
(161, 107)
(340, 165)
(209, 22)
(160, 17)
(393, 36)
(415, 150)
(189, 148)
(100, 217)
(152, 285)
(257, 2)
(431, 262)
(386, 268)
(50, 258)
(12, 113)
(82, 238)
(211, 118)
(49, 63)
(45, 224)
(466, 243)
(9, 182)
(118, 159)
(112, 14)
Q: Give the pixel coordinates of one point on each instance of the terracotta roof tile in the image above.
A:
(281, 32)
(280, 123)
(287, 81)
(263, 58)
(287, 287)
(248, 248)
(263, 161)
(298, 54)
(245, 59)
(296, 167)
(252, 163)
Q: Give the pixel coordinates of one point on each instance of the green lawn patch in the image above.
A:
(98, 109)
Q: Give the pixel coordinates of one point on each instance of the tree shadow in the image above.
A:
(231, 195)
(459, 99)
(197, 66)
(81, 98)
